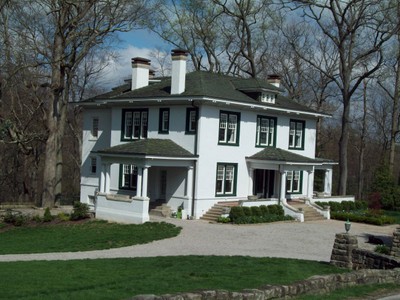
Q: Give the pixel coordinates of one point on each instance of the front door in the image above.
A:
(163, 184)
(264, 181)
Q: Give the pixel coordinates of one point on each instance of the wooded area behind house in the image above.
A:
(338, 57)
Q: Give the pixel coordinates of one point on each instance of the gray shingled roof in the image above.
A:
(152, 147)
(277, 154)
(205, 84)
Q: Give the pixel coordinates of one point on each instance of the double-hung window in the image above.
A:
(191, 120)
(128, 178)
(163, 124)
(229, 128)
(226, 179)
(95, 127)
(266, 131)
(134, 124)
(296, 134)
(93, 165)
(293, 182)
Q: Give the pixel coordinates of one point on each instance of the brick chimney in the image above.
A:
(274, 80)
(140, 72)
(178, 76)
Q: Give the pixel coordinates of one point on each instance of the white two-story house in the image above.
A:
(195, 139)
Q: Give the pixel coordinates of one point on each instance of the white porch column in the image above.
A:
(139, 182)
(310, 184)
(103, 179)
(282, 195)
(145, 181)
(328, 182)
(108, 178)
(251, 179)
(189, 190)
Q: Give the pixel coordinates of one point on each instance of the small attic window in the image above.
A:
(268, 98)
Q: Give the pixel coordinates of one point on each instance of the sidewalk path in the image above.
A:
(310, 240)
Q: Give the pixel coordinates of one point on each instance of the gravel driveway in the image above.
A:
(310, 240)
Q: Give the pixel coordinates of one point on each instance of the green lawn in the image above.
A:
(123, 278)
(93, 235)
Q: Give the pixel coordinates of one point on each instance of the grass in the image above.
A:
(124, 278)
(92, 235)
(355, 292)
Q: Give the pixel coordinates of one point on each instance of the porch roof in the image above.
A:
(149, 147)
(280, 155)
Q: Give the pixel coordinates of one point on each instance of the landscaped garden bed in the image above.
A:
(255, 214)
(357, 211)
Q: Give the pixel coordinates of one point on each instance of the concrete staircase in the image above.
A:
(310, 213)
(160, 209)
(218, 210)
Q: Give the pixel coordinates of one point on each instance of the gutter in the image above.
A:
(204, 99)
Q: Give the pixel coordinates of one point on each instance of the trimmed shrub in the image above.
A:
(255, 211)
(363, 218)
(276, 210)
(236, 213)
(264, 210)
(80, 211)
(47, 217)
(247, 211)
(255, 214)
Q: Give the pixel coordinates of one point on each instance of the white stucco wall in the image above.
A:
(210, 153)
(89, 181)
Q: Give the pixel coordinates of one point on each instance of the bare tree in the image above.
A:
(357, 31)
(221, 36)
(390, 84)
(57, 37)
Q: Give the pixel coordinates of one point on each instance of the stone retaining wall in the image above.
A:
(395, 251)
(314, 285)
(364, 259)
(346, 254)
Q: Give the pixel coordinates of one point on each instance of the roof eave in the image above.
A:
(100, 102)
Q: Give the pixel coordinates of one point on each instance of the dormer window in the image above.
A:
(268, 97)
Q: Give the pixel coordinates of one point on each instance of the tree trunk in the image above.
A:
(362, 146)
(53, 162)
(396, 112)
(343, 144)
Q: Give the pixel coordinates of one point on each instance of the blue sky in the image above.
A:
(142, 38)
(136, 43)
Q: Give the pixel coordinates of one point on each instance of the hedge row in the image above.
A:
(359, 218)
(257, 214)
(344, 205)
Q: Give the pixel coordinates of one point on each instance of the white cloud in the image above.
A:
(119, 68)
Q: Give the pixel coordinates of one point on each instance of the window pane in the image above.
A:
(229, 175)
(93, 165)
(95, 127)
(144, 125)
(128, 124)
(223, 120)
(192, 123)
(220, 179)
(165, 120)
(232, 128)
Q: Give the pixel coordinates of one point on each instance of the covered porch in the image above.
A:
(137, 173)
(280, 177)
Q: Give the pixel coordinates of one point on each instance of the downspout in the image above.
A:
(195, 153)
